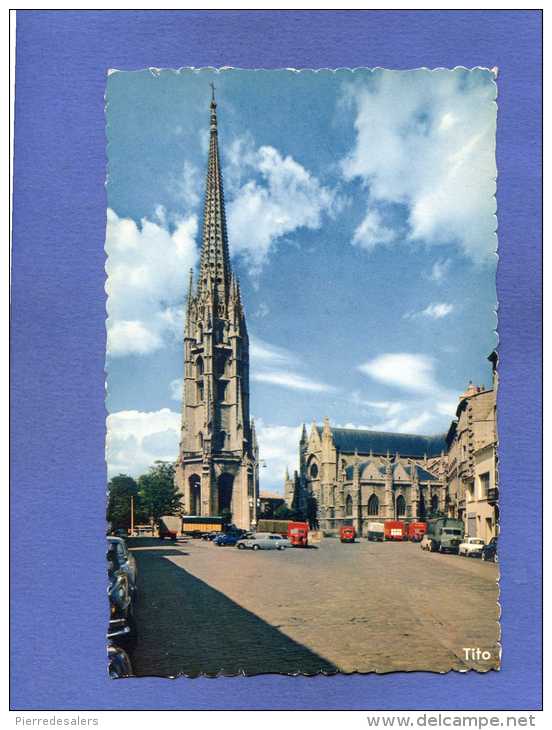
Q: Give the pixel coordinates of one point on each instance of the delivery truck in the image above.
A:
(296, 532)
(394, 530)
(446, 534)
(347, 533)
(196, 526)
(375, 531)
(416, 531)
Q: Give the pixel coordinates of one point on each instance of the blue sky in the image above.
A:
(361, 219)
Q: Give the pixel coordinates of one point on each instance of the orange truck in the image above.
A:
(347, 533)
(298, 534)
(416, 531)
(394, 530)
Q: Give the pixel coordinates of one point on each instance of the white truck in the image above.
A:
(375, 531)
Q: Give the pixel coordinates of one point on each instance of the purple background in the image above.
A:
(58, 477)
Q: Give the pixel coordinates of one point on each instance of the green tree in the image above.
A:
(120, 490)
(158, 493)
(283, 512)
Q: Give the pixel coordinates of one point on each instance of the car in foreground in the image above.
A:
(125, 560)
(427, 543)
(489, 552)
(121, 629)
(264, 541)
(119, 664)
(472, 547)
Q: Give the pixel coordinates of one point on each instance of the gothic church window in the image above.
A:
(401, 506)
(349, 506)
(373, 506)
(313, 470)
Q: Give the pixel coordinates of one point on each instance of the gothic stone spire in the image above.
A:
(215, 264)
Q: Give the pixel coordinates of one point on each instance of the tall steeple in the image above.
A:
(215, 261)
(218, 447)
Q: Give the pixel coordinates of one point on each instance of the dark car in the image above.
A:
(489, 551)
(121, 630)
(228, 539)
(119, 662)
(210, 535)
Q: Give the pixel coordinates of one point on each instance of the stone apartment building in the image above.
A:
(471, 464)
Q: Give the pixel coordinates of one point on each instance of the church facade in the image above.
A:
(355, 476)
(217, 467)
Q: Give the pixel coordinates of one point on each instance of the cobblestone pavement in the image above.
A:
(366, 607)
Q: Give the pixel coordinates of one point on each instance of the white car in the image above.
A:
(427, 543)
(264, 541)
(471, 547)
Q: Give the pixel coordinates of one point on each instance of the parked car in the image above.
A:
(126, 561)
(427, 543)
(264, 541)
(226, 539)
(119, 662)
(210, 535)
(121, 630)
(489, 551)
(472, 547)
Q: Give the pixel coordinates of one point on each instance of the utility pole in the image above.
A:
(131, 516)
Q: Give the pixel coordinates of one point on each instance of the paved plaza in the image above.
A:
(366, 607)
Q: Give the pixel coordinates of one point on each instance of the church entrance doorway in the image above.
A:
(225, 488)
(195, 494)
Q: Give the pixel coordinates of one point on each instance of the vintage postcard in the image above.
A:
(302, 372)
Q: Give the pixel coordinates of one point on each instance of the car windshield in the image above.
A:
(475, 541)
(452, 532)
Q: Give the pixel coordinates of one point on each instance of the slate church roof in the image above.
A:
(346, 440)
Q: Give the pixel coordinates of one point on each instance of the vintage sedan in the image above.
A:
(472, 547)
(489, 551)
(264, 541)
(125, 560)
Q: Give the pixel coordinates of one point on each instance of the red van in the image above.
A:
(347, 533)
(298, 534)
(416, 531)
(394, 530)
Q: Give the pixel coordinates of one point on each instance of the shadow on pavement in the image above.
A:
(187, 627)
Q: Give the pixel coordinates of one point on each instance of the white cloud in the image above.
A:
(371, 232)
(425, 401)
(440, 269)
(278, 366)
(407, 371)
(436, 310)
(263, 353)
(175, 389)
(292, 381)
(278, 450)
(426, 140)
(147, 269)
(283, 198)
(135, 439)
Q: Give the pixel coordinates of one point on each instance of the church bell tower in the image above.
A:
(217, 469)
